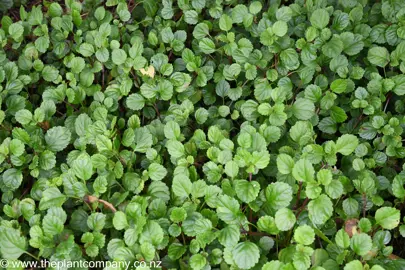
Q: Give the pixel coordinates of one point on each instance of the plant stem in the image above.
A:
(288, 237)
(298, 195)
(277, 245)
(157, 110)
(31, 255)
(90, 199)
(364, 204)
(254, 226)
(108, 205)
(256, 233)
(302, 207)
(358, 121)
(388, 101)
(322, 236)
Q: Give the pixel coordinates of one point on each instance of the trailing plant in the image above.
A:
(204, 134)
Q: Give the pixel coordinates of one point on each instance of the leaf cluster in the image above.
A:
(206, 134)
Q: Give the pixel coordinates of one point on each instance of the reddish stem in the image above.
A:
(298, 195)
(302, 207)
(364, 204)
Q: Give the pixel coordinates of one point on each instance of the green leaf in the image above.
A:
(77, 64)
(324, 176)
(246, 191)
(152, 233)
(50, 73)
(143, 140)
(303, 171)
(229, 236)
(135, 102)
(228, 209)
(387, 217)
(57, 138)
(280, 28)
(285, 164)
(361, 244)
(342, 239)
(36, 16)
(172, 131)
(86, 49)
(225, 22)
(96, 221)
(92, 250)
(12, 244)
(290, 59)
(82, 124)
(51, 197)
(335, 189)
(178, 214)
(338, 114)
(333, 47)
(16, 31)
(397, 187)
(83, 167)
(255, 7)
(47, 160)
(120, 221)
(231, 168)
(156, 172)
(12, 179)
(102, 55)
(207, 46)
(222, 88)
(245, 255)
(118, 56)
(302, 257)
(339, 86)
(197, 261)
(24, 116)
(301, 132)
(239, 12)
(150, 7)
(278, 195)
(267, 37)
(285, 219)
(354, 265)
(99, 13)
(303, 109)
(175, 148)
(346, 144)
(176, 250)
(185, 130)
(320, 209)
(103, 144)
(182, 186)
(191, 17)
(320, 18)
(304, 235)
(201, 30)
(52, 225)
(352, 43)
(378, 56)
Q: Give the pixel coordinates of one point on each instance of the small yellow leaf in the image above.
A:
(150, 71)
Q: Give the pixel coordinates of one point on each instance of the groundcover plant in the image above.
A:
(206, 134)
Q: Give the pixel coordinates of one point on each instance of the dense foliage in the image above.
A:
(204, 133)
